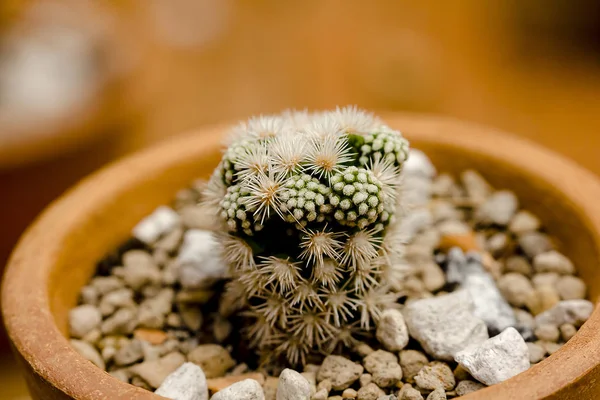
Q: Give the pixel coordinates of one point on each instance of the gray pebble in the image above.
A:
(573, 312)
(248, 389)
(185, 383)
(498, 209)
(116, 299)
(139, 269)
(121, 322)
(292, 386)
(443, 185)
(130, 353)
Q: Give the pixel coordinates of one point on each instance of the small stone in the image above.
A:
(89, 295)
(349, 394)
(433, 276)
(140, 269)
(161, 221)
(497, 243)
(454, 227)
(320, 395)
(335, 398)
(391, 330)
(415, 222)
(174, 320)
(444, 324)
(545, 279)
(83, 319)
(567, 331)
(88, 352)
(436, 375)
(536, 352)
(325, 384)
(191, 316)
(129, 354)
(363, 349)
(186, 383)
(108, 353)
(311, 368)
(461, 374)
(217, 384)
(384, 368)
(418, 164)
(525, 323)
(550, 347)
(170, 241)
(151, 352)
(121, 322)
(574, 312)
(248, 389)
(443, 210)
(498, 209)
(154, 372)
(553, 261)
(409, 393)
(200, 260)
(153, 311)
(370, 392)
(437, 394)
(152, 336)
(570, 287)
(212, 358)
(121, 374)
(547, 332)
(106, 284)
(534, 243)
(465, 387)
(477, 188)
(515, 288)
(411, 362)
(443, 185)
(496, 359)
(524, 222)
(341, 371)
(417, 191)
(519, 265)
(238, 369)
(548, 297)
(365, 379)
(292, 386)
(119, 298)
(139, 382)
(221, 329)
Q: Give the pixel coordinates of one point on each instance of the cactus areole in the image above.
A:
(309, 202)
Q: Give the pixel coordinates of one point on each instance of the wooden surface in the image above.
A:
(462, 59)
(100, 212)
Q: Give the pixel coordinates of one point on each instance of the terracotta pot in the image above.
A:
(57, 255)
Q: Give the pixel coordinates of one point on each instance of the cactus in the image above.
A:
(308, 201)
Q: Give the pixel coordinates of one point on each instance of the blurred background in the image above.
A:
(83, 82)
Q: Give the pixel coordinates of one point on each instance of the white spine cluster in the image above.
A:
(307, 200)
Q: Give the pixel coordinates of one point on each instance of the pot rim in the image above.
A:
(33, 331)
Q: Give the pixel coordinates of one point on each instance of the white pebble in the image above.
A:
(573, 312)
(161, 221)
(391, 330)
(553, 261)
(292, 386)
(83, 319)
(497, 359)
(185, 383)
(200, 259)
(444, 324)
(498, 209)
(248, 389)
(418, 164)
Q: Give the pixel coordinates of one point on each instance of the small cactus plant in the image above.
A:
(309, 202)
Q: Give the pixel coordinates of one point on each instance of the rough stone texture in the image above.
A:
(340, 371)
(411, 362)
(88, 352)
(212, 358)
(437, 394)
(566, 312)
(129, 353)
(83, 319)
(436, 375)
(161, 221)
(292, 386)
(391, 330)
(140, 269)
(384, 368)
(498, 209)
(553, 261)
(154, 372)
(248, 389)
(409, 393)
(444, 324)
(365, 379)
(186, 383)
(489, 304)
(496, 359)
(200, 260)
(465, 387)
(570, 287)
(370, 392)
